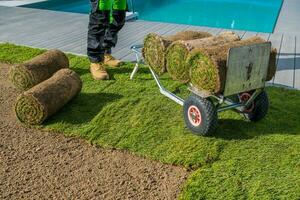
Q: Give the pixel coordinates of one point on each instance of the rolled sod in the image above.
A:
(155, 47)
(28, 74)
(43, 100)
(208, 65)
(272, 64)
(178, 51)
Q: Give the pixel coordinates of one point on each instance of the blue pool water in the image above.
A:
(251, 15)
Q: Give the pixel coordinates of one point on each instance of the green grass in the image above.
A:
(242, 160)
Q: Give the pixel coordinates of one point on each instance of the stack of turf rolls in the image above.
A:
(198, 60)
(26, 75)
(52, 85)
(155, 47)
(178, 51)
(208, 65)
(43, 100)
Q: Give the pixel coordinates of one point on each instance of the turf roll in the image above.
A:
(45, 99)
(208, 65)
(178, 51)
(155, 47)
(28, 74)
(272, 64)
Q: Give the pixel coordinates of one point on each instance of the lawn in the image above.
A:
(242, 160)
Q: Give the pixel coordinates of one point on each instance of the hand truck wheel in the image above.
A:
(258, 109)
(200, 115)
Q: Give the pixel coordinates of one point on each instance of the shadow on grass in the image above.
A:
(81, 71)
(235, 129)
(126, 70)
(83, 108)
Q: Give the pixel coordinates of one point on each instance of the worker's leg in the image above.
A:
(116, 24)
(98, 24)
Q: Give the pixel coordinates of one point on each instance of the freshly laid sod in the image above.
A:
(242, 160)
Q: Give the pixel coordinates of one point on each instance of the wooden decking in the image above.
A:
(68, 32)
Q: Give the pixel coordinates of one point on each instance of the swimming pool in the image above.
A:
(250, 15)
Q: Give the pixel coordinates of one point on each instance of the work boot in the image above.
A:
(110, 61)
(98, 71)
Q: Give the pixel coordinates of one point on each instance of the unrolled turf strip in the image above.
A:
(28, 74)
(178, 51)
(208, 65)
(43, 100)
(155, 47)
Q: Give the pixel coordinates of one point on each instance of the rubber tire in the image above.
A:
(261, 107)
(208, 112)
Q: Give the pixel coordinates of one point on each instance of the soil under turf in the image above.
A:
(36, 164)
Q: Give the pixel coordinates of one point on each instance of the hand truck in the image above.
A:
(244, 92)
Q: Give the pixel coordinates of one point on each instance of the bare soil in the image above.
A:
(43, 165)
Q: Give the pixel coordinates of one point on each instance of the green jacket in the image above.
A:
(112, 4)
